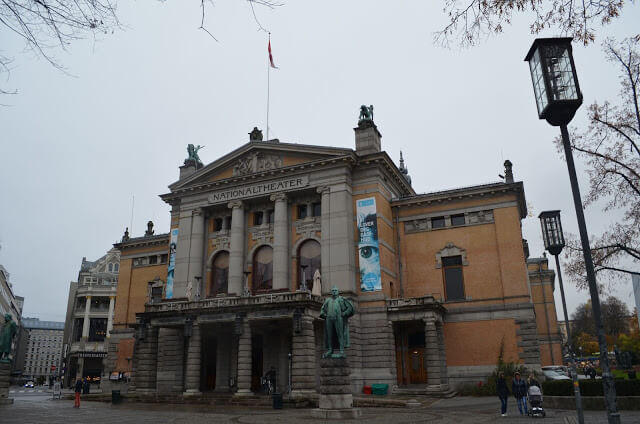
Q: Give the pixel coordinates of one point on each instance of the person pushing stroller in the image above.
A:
(535, 399)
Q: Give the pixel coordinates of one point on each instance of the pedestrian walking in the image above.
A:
(78, 390)
(503, 393)
(519, 390)
(86, 386)
(531, 381)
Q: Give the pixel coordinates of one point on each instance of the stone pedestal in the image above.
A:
(5, 373)
(336, 400)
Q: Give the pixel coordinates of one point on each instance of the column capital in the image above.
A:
(112, 297)
(197, 212)
(88, 297)
(323, 190)
(235, 204)
(278, 197)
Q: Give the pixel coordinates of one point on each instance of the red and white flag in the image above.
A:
(271, 56)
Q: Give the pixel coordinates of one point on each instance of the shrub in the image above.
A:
(590, 388)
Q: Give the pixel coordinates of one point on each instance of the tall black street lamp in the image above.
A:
(554, 243)
(558, 96)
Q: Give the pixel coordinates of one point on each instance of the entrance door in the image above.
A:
(410, 354)
(256, 362)
(209, 359)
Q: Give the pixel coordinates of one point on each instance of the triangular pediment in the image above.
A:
(256, 158)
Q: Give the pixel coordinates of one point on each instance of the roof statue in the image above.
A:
(366, 114)
(255, 135)
(336, 311)
(150, 230)
(125, 236)
(193, 153)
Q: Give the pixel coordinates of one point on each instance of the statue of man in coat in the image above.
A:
(336, 312)
(6, 337)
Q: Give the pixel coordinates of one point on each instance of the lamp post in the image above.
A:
(558, 96)
(554, 243)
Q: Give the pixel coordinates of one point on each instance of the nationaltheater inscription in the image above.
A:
(259, 189)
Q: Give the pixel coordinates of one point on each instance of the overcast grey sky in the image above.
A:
(75, 149)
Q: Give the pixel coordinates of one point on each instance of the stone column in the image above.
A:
(86, 322)
(280, 242)
(196, 251)
(181, 272)
(244, 360)
(325, 236)
(236, 254)
(145, 361)
(432, 350)
(342, 246)
(192, 371)
(110, 318)
(444, 377)
(303, 368)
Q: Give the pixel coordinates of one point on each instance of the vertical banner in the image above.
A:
(368, 251)
(173, 243)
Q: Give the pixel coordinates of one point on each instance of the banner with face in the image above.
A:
(368, 250)
(173, 242)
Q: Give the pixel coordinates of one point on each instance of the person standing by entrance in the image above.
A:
(78, 390)
(503, 393)
(519, 390)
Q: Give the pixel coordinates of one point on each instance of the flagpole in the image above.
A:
(268, 88)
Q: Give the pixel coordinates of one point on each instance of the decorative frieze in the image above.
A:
(256, 162)
(425, 224)
(220, 242)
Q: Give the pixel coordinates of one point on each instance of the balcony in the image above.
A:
(230, 303)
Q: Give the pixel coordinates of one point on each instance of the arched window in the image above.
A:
(263, 269)
(116, 267)
(308, 262)
(219, 274)
(110, 267)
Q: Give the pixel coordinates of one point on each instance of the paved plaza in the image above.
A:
(36, 408)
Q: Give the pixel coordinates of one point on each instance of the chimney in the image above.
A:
(508, 171)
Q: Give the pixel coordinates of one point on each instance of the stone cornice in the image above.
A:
(348, 159)
(382, 158)
(156, 240)
(485, 190)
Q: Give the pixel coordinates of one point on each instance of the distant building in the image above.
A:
(43, 348)
(89, 318)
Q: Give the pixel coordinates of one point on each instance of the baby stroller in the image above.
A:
(535, 402)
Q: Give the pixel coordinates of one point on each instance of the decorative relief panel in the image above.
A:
(262, 234)
(308, 227)
(256, 162)
(220, 242)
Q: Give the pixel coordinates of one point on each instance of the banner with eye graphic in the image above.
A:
(368, 251)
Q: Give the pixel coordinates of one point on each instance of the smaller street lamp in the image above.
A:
(554, 243)
(558, 96)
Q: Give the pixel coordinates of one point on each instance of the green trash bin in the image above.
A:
(379, 389)
(115, 397)
(277, 400)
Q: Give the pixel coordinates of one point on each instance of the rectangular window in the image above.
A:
(270, 216)
(97, 329)
(153, 260)
(457, 220)
(257, 218)
(156, 295)
(437, 222)
(217, 224)
(453, 280)
(317, 209)
(302, 211)
(163, 258)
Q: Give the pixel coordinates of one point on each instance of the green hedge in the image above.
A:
(590, 388)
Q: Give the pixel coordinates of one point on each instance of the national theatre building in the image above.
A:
(439, 281)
